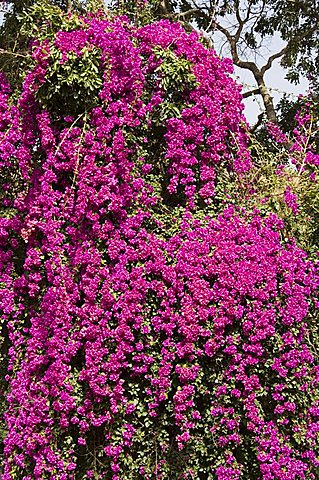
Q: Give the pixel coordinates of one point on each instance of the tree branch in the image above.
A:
(260, 119)
(14, 54)
(233, 48)
(271, 59)
(188, 12)
(248, 11)
(256, 91)
(187, 24)
(69, 6)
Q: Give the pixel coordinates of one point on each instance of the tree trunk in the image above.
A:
(267, 99)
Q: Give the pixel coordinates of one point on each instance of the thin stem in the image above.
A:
(14, 54)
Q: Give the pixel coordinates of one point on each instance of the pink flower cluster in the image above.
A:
(135, 350)
(302, 150)
(291, 200)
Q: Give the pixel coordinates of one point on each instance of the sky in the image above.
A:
(275, 80)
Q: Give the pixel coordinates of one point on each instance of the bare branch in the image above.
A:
(256, 91)
(14, 54)
(187, 13)
(70, 5)
(196, 10)
(248, 11)
(271, 59)
(239, 19)
(224, 31)
(234, 52)
(260, 119)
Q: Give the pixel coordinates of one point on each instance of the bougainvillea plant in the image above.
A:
(284, 178)
(145, 337)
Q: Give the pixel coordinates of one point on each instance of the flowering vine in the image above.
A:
(145, 344)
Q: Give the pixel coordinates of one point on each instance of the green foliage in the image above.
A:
(41, 20)
(139, 11)
(176, 79)
(29, 20)
(73, 84)
(265, 187)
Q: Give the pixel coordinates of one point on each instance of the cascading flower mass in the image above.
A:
(148, 338)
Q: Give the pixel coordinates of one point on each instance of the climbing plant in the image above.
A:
(152, 327)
